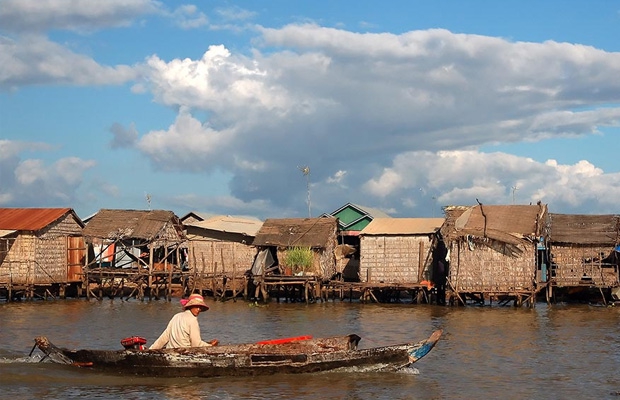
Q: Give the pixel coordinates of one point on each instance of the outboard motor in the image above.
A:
(134, 342)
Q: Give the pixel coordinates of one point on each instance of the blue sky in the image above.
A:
(215, 106)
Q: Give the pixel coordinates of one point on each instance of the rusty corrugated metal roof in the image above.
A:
(230, 224)
(305, 232)
(32, 219)
(402, 226)
(584, 229)
(134, 224)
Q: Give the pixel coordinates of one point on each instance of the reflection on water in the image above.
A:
(547, 352)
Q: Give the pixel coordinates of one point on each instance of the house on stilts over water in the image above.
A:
(396, 255)
(493, 253)
(584, 256)
(220, 252)
(294, 253)
(137, 249)
(41, 252)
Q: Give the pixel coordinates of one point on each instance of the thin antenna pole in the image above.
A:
(306, 171)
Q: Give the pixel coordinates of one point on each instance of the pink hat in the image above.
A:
(193, 301)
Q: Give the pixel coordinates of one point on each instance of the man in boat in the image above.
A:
(183, 329)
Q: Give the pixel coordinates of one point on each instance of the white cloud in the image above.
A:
(34, 182)
(34, 60)
(389, 113)
(79, 15)
(189, 17)
(364, 103)
(187, 145)
(216, 82)
(461, 177)
(338, 178)
(234, 13)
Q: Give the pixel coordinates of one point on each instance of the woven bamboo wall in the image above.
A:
(19, 261)
(486, 270)
(572, 262)
(391, 259)
(40, 259)
(50, 260)
(229, 256)
(328, 257)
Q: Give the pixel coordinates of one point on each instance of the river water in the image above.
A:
(549, 352)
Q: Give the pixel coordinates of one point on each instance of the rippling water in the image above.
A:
(550, 352)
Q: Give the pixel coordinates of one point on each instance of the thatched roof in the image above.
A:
(290, 232)
(505, 223)
(33, 219)
(584, 229)
(402, 226)
(132, 224)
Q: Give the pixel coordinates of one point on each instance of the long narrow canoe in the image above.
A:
(299, 356)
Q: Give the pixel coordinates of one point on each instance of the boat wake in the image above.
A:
(409, 371)
(378, 368)
(35, 358)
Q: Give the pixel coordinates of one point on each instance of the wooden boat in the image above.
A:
(270, 357)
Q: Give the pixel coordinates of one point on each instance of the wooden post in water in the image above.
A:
(150, 278)
(234, 275)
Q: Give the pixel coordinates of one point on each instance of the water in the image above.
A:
(550, 352)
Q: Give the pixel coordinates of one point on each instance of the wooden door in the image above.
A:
(76, 252)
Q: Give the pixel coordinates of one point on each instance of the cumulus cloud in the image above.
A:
(397, 120)
(31, 182)
(189, 17)
(23, 16)
(461, 177)
(368, 104)
(34, 60)
(123, 137)
(187, 145)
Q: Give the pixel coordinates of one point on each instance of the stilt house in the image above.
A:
(397, 250)
(584, 250)
(493, 250)
(148, 239)
(222, 244)
(40, 246)
(317, 234)
(352, 219)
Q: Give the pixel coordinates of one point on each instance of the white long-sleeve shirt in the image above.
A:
(182, 331)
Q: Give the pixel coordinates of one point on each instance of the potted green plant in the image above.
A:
(299, 259)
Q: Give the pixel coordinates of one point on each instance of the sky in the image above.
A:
(282, 109)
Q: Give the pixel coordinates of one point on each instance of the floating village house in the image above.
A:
(397, 250)
(134, 241)
(493, 251)
(41, 250)
(352, 219)
(318, 234)
(583, 251)
(220, 251)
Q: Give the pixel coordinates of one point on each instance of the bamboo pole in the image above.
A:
(150, 278)
(223, 295)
